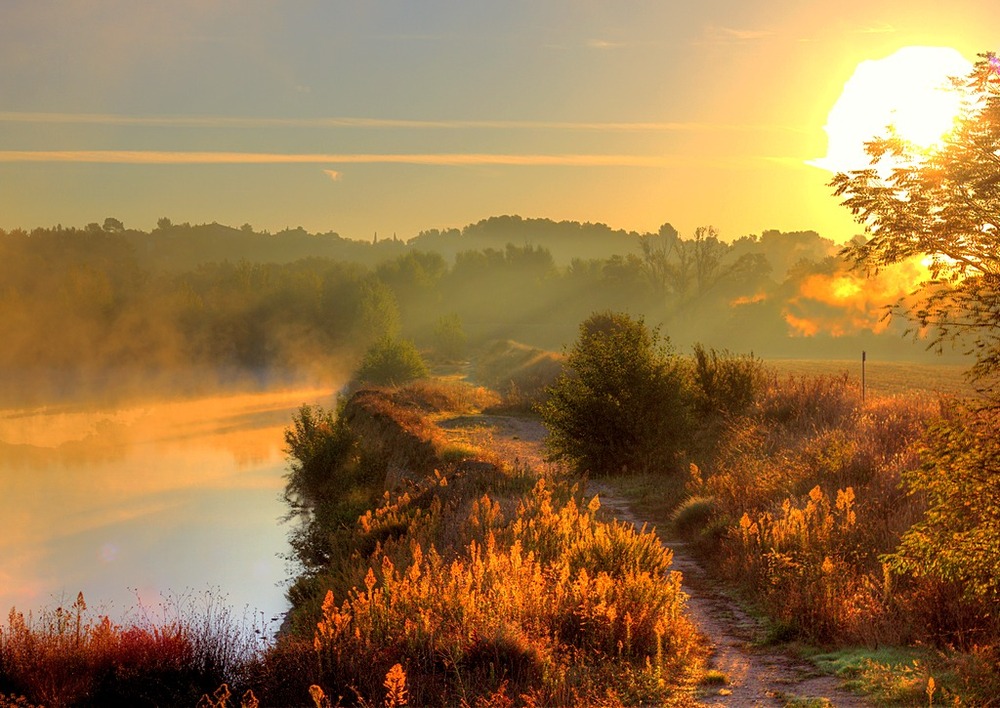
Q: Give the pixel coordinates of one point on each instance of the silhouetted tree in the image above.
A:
(113, 226)
(942, 203)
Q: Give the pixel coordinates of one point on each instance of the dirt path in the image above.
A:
(757, 677)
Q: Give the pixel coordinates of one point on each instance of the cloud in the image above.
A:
(717, 34)
(745, 33)
(375, 123)
(152, 157)
(604, 44)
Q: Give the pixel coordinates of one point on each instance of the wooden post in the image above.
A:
(864, 356)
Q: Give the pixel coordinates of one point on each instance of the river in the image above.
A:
(149, 505)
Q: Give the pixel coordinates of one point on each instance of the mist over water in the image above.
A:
(148, 502)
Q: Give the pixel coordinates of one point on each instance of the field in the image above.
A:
(887, 378)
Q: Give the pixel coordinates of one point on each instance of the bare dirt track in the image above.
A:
(755, 676)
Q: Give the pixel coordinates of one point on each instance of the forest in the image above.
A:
(108, 310)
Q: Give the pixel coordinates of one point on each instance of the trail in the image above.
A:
(756, 676)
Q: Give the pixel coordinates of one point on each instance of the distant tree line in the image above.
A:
(106, 307)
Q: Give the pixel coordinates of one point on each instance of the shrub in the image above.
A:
(544, 598)
(726, 383)
(67, 657)
(779, 467)
(621, 403)
(390, 362)
(956, 541)
(450, 341)
(693, 516)
(329, 483)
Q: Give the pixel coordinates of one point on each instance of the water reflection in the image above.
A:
(131, 504)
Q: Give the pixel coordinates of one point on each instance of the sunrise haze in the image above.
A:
(393, 117)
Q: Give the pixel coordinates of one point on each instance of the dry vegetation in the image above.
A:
(485, 583)
(800, 505)
(477, 581)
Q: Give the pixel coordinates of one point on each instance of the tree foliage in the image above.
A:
(391, 362)
(323, 481)
(942, 203)
(450, 341)
(620, 404)
(956, 541)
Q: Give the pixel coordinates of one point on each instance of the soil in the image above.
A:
(756, 676)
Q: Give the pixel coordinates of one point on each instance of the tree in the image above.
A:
(942, 204)
(620, 404)
(449, 338)
(391, 362)
(956, 541)
(377, 314)
(113, 225)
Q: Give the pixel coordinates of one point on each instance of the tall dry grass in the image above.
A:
(72, 657)
(484, 581)
(806, 496)
(548, 606)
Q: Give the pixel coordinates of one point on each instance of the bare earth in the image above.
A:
(757, 676)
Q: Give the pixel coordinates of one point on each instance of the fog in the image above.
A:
(108, 313)
(146, 378)
(135, 505)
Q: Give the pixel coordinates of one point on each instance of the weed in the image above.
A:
(693, 516)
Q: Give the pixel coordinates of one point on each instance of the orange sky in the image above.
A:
(379, 116)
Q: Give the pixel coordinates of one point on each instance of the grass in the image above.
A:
(892, 676)
(488, 582)
(793, 505)
(482, 580)
(884, 378)
(481, 583)
(68, 656)
(714, 677)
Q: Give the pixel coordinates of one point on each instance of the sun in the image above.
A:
(909, 90)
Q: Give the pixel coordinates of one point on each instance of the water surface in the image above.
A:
(152, 502)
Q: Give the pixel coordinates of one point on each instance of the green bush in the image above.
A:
(450, 341)
(621, 403)
(693, 515)
(956, 541)
(726, 383)
(390, 362)
(328, 483)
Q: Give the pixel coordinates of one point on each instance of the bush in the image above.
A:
(328, 483)
(538, 604)
(726, 383)
(450, 341)
(621, 403)
(67, 656)
(956, 541)
(693, 516)
(390, 362)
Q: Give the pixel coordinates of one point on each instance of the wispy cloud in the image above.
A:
(152, 157)
(376, 123)
(604, 44)
(718, 34)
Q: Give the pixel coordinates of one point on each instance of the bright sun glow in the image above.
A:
(909, 90)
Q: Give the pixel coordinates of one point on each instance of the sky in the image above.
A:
(394, 116)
